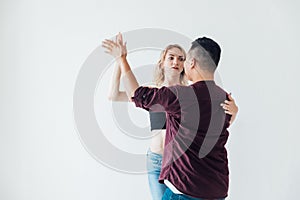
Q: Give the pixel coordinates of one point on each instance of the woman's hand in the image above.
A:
(115, 48)
(230, 108)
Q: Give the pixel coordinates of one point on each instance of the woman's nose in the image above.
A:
(175, 60)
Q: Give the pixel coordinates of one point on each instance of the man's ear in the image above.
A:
(192, 63)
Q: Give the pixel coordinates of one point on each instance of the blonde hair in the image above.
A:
(159, 74)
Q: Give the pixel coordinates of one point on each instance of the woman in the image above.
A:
(168, 72)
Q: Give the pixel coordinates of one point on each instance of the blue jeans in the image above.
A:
(157, 189)
(169, 195)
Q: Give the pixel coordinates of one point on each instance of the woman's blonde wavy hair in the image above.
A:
(159, 75)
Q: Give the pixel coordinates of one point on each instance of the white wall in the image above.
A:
(43, 45)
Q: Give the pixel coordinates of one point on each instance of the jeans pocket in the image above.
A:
(154, 162)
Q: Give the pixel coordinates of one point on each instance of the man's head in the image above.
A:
(203, 58)
(210, 46)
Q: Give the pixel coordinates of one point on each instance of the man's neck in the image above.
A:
(209, 77)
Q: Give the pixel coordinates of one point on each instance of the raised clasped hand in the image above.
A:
(115, 48)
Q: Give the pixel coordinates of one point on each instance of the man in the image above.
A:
(195, 164)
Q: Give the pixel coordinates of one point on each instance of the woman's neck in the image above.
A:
(171, 81)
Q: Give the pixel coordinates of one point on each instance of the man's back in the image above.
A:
(195, 158)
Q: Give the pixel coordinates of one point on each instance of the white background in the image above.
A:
(43, 45)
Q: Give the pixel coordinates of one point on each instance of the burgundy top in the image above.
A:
(195, 157)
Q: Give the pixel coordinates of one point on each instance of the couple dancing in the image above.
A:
(187, 158)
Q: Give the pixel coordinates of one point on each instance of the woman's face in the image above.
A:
(173, 63)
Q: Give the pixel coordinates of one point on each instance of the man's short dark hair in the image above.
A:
(210, 46)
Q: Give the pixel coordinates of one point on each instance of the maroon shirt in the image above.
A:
(195, 157)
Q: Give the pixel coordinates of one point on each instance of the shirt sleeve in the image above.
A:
(149, 98)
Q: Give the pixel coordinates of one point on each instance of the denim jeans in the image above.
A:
(169, 195)
(157, 189)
